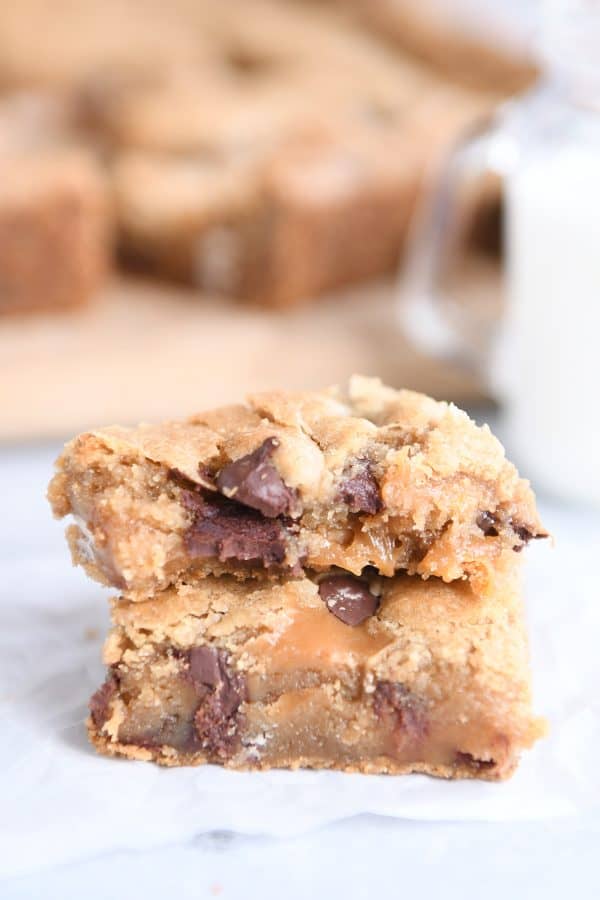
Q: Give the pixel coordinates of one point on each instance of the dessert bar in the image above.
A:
(365, 477)
(54, 211)
(363, 674)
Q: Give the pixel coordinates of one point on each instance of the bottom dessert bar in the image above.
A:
(373, 675)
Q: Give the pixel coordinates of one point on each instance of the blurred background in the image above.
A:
(198, 198)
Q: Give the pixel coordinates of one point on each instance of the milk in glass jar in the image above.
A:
(544, 359)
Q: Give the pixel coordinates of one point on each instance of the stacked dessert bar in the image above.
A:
(326, 579)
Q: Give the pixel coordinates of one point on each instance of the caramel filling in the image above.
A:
(313, 642)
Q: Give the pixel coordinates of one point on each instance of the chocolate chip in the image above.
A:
(487, 522)
(471, 762)
(349, 599)
(204, 666)
(226, 530)
(221, 691)
(99, 704)
(360, 491)
(255, 482)
(401, 709)
(525, 535)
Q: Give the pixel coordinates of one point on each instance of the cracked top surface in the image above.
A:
(365, 476)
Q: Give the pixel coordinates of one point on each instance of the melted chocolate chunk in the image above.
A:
(216, 732)
(206, 667)
(254, 481)
(524, 534)
(471, 762)
(361, 491)
(227, 530)
(397, 705)
(349, 599)
(488, 523)
(99, 704)
(221, 691)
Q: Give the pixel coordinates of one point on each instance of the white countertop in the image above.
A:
(355, 858)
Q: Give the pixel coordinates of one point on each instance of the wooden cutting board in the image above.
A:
(142, 352)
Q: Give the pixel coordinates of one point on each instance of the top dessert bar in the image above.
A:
(369, 477)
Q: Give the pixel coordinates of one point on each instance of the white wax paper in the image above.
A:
(60, 801)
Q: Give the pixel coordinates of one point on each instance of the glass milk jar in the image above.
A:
(543, 360)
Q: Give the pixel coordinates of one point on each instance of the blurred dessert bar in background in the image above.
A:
(264, 150)
(469, 48)
(54, 209)
(272, 201)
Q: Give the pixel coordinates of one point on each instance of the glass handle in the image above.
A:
(489, 149)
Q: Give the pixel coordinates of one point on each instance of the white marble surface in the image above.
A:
(353, 858)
